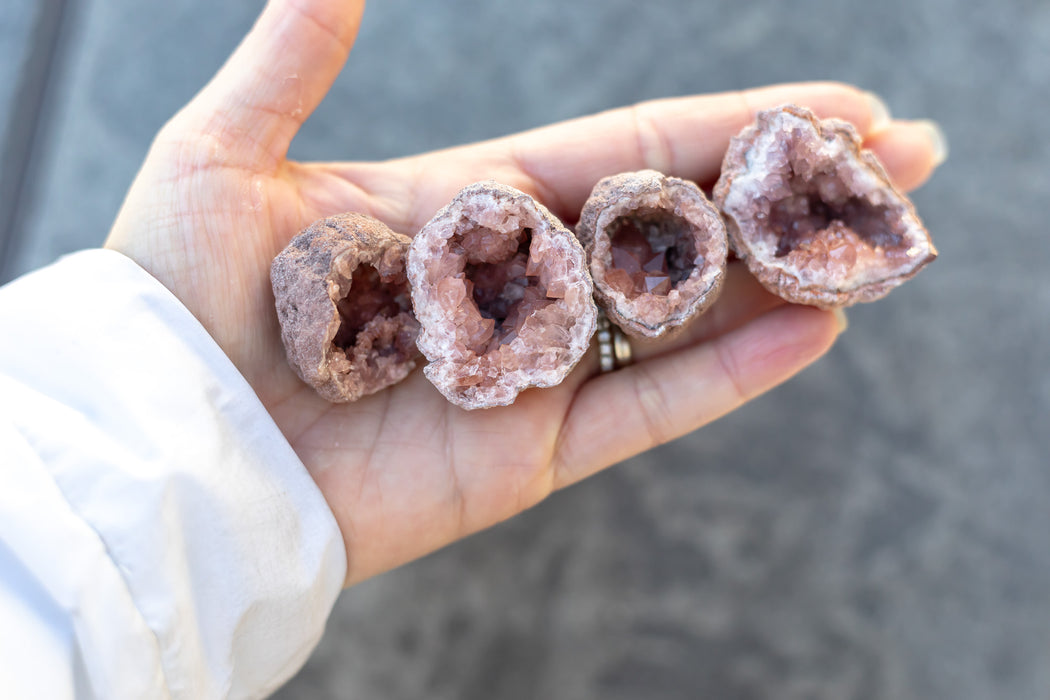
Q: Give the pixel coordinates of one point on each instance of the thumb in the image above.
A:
(275, 78)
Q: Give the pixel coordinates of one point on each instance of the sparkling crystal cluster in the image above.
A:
(656, 248)
(500, 296)
(814, 215)
(502, 293)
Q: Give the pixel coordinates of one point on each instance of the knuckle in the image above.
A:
(653, 406)
(653, 148)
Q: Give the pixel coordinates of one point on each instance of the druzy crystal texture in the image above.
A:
(814, 215)
(502, 294)
(656, 249)
(344, 306)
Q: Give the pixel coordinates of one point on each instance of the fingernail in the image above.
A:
(937, 139)
(880, 113)
(840, 317)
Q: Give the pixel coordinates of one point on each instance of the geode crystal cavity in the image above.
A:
(502, 295)
(345, 307)
(814, 214)
(656, 248)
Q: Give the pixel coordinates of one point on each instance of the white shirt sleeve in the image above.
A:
(158, 536)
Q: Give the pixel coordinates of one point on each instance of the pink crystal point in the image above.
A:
(344, 306)
(814, 215)
(503, 296)
(656, 249)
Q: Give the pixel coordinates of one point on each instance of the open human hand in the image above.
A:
(404, 471)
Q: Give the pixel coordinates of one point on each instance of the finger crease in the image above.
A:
(654, 150)
(457, 494)
(653, 406)
(730, 368)
(745, 103)
(405, 202)
(546, 194)
(557, 462)
(343, 43)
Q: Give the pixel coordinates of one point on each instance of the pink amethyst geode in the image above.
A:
(656, 248)
(814, 215)
(502, 294)
(344, 306)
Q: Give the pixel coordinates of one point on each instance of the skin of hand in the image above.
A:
(404, 471)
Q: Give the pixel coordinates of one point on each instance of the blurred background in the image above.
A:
(877, 528)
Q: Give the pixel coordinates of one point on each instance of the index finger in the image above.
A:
(559, 164)
(685, 137)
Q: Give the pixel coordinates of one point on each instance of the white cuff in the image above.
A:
(150, 495)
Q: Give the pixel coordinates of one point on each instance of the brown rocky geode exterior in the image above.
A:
(310, 276)
(652, 315)
(546, 348)
(868, 179)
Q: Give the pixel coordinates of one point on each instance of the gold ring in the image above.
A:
(614, 350)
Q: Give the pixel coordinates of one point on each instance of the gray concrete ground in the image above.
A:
(877, 528)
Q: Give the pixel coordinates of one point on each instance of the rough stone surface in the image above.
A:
(503, 296)
(814, 214)
(344, 306)
(656, 248)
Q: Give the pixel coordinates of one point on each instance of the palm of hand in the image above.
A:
(424, 471)
(403, 470)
